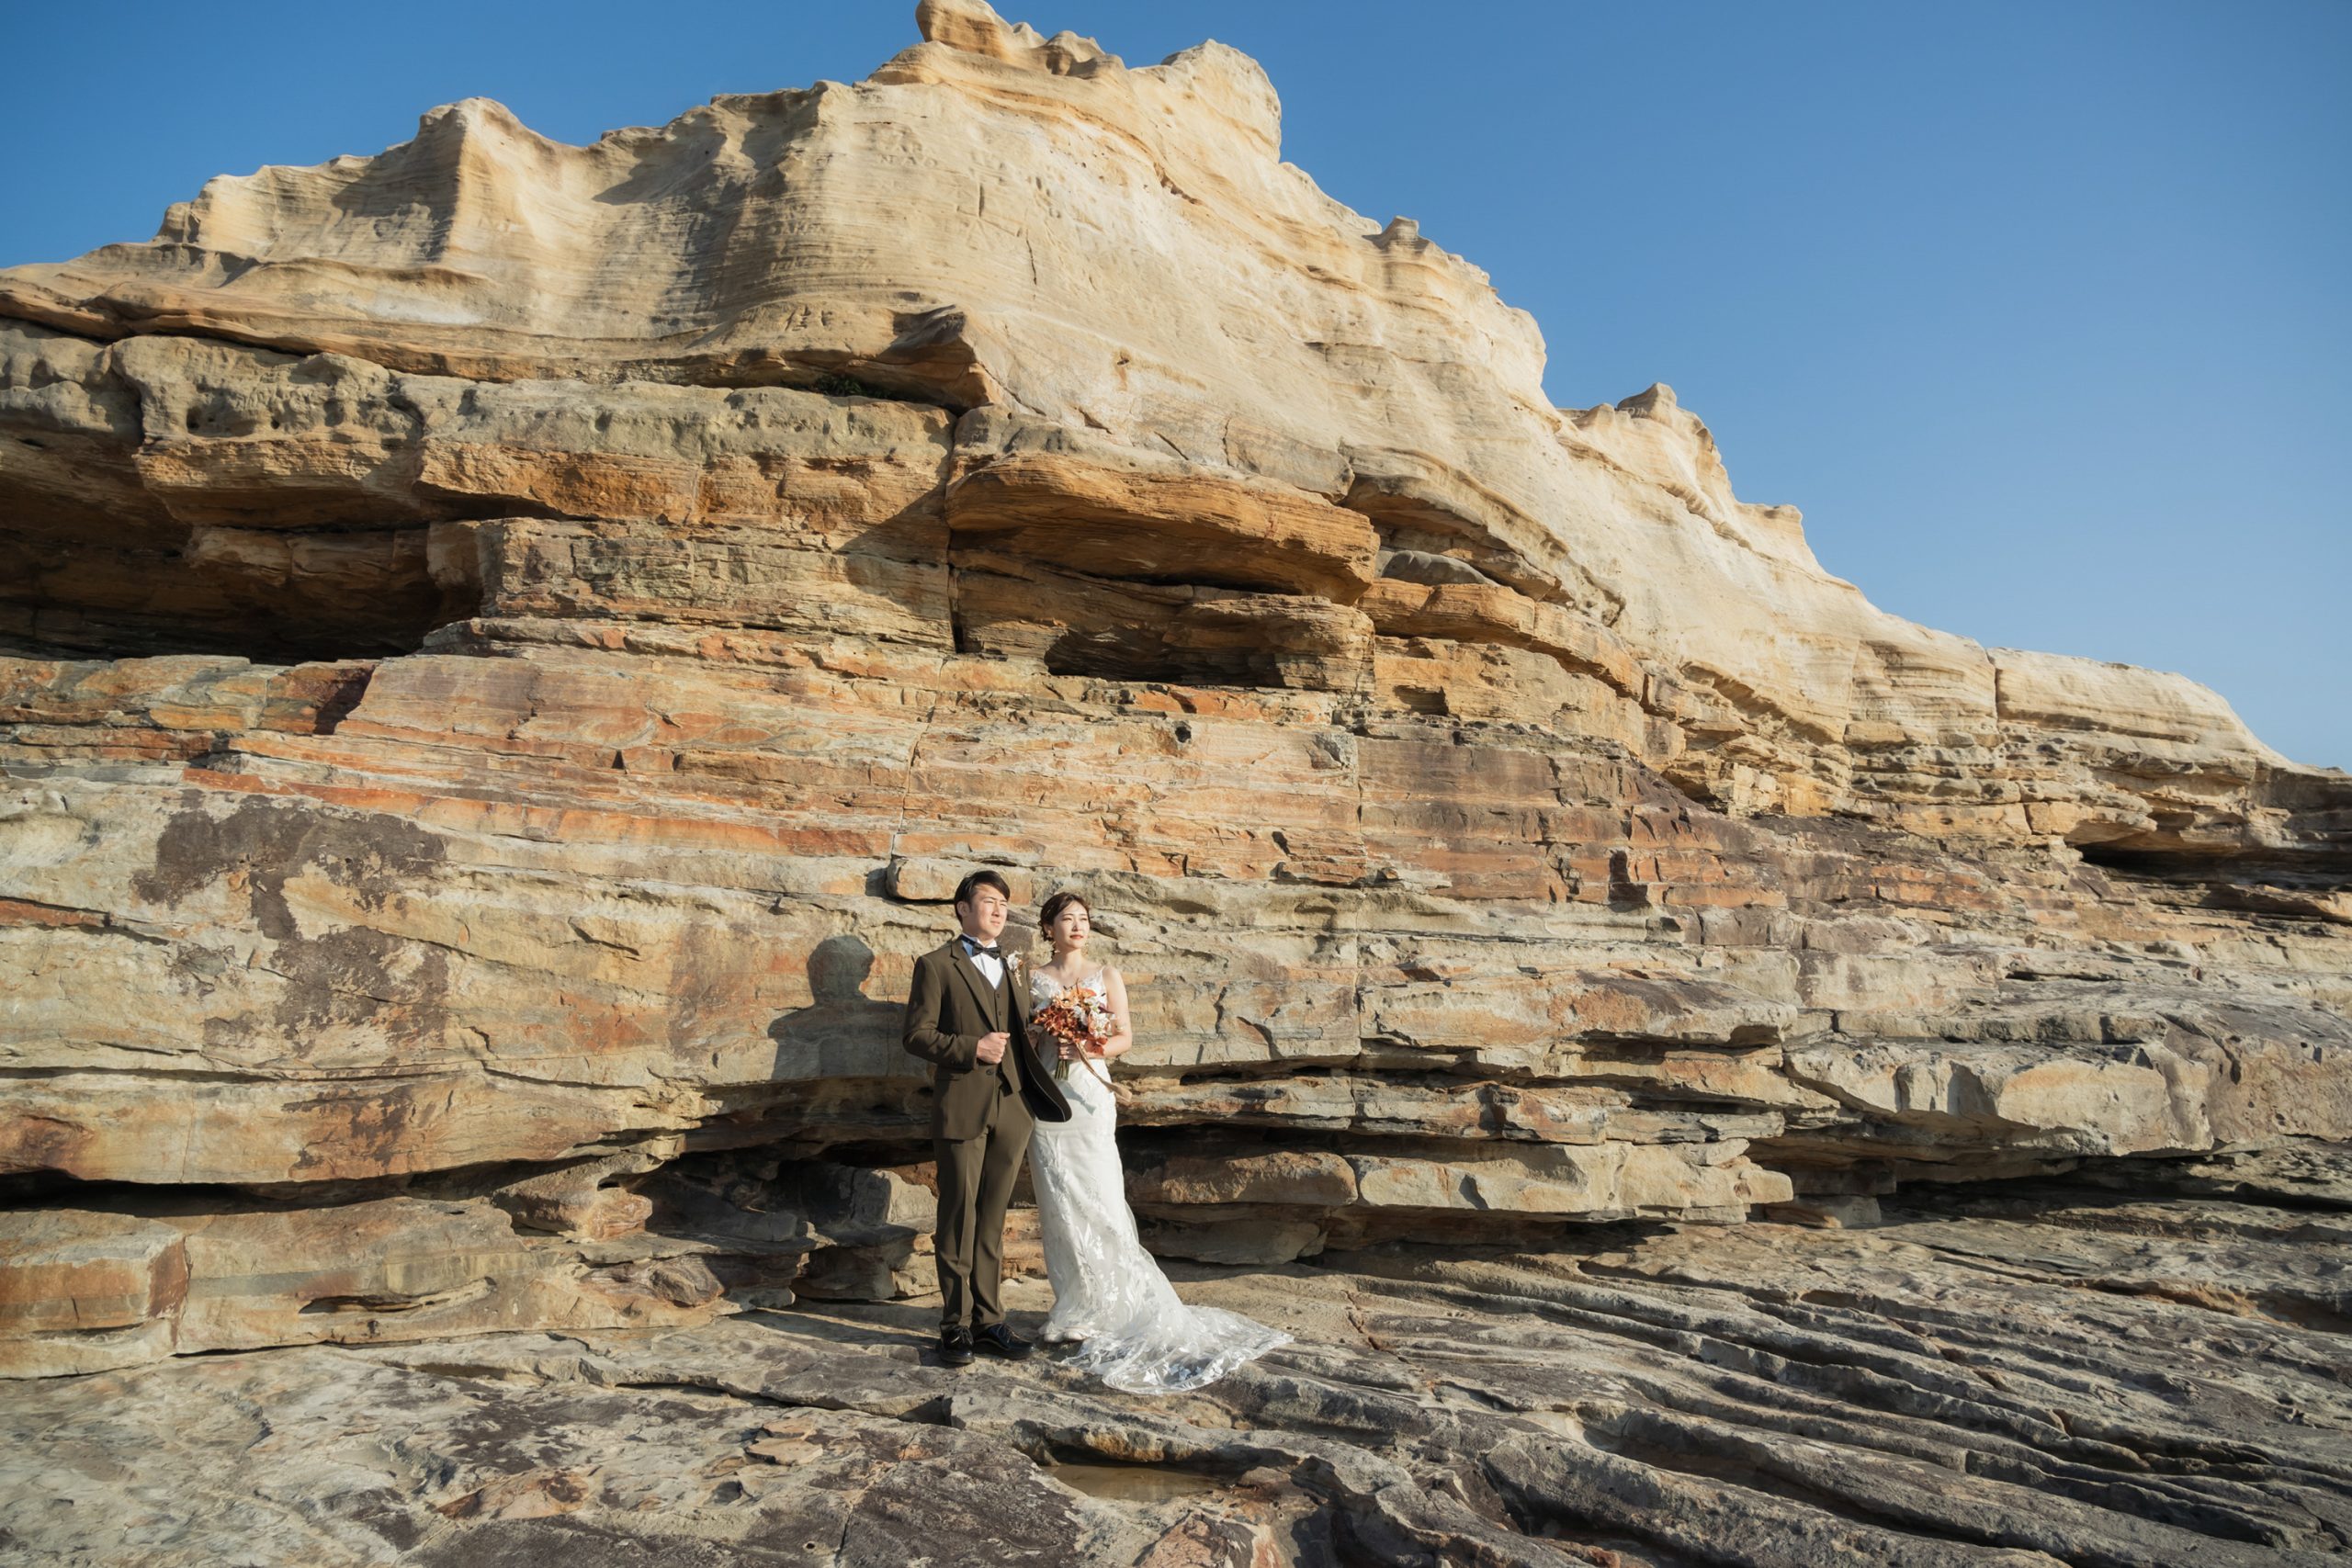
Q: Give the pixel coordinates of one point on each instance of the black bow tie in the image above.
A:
(976, 949)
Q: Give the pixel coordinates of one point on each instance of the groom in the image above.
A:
(966, 1016)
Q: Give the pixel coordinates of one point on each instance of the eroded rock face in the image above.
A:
(513, 644)
(1193, 367)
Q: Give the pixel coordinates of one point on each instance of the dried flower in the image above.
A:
(1081, 1018)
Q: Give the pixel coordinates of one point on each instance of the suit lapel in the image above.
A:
(971, 978)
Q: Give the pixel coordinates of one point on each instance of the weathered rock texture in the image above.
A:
(513, 644)
(1970, 1385)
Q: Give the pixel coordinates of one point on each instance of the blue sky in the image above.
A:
(2039, 310)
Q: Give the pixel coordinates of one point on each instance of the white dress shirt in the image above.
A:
(990, 965)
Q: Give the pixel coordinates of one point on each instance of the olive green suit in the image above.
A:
(981, 1116)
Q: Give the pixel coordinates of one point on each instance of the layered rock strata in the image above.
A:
(514, 643)
(1968, 1385)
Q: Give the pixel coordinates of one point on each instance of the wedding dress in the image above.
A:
(1108, 1292)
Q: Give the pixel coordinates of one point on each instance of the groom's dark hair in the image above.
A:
(977, 880)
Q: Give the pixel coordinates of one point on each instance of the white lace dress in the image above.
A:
(1108, 1292)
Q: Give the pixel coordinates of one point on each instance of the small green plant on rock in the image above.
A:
(839, 384)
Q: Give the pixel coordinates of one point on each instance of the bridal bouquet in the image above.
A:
(1079, 1015)
(1081, 1018)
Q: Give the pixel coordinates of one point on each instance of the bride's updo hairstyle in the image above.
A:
(1053, 909)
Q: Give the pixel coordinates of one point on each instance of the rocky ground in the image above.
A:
(2037, 1372)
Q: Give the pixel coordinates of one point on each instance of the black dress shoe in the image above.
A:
(954, 1347)
(999, 1340)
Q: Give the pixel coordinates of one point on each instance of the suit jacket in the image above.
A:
(949, 1007)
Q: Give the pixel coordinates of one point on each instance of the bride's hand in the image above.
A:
(1069, 1052)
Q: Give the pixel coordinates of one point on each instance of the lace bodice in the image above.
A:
(1084, 1084)
(1044, 988)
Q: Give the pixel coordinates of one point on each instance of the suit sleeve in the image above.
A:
(922, 1035)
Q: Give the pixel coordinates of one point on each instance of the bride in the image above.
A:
(1109, 1295)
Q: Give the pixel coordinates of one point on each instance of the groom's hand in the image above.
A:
(992, 1049)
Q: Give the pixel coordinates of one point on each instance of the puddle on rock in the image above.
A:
(1132, 1482)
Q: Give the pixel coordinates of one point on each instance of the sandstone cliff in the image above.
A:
(513, 642)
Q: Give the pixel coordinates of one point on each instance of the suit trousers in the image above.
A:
(976, 1177)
